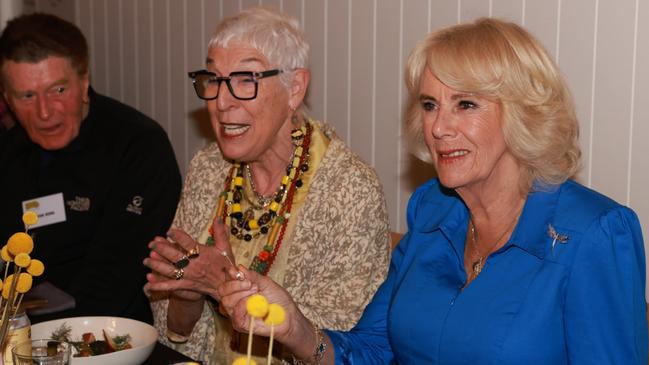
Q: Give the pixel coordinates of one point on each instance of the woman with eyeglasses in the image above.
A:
(278, 193)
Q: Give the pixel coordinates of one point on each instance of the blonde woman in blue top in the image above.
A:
(507, 260)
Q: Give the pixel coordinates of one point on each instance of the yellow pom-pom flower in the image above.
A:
(257, 306)
(30, 218)
(7, 286)
(24, 283)
(243, 361)
(22, 260)
(36, 267)
(6, 256)
(20, 242)
(276, 315)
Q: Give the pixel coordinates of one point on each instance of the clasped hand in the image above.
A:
(187, 269)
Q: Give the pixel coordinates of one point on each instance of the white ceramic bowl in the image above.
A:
(143, 337)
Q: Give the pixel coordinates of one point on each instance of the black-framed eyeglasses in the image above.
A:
(243, 85)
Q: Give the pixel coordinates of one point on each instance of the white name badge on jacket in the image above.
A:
(50, 209)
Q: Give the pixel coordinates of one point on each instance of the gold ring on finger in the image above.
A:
(193, 253)
(178, 273)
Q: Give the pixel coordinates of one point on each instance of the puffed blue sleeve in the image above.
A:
(605, 308)
(368, 342)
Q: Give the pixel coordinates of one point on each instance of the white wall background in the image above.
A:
(142, 49)
(9, 9)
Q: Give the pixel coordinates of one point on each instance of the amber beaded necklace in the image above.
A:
(273, 221)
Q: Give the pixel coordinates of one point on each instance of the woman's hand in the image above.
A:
(203, 272)
(296, 332)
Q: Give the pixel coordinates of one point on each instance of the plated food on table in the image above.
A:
(89, 345)
(102, 340)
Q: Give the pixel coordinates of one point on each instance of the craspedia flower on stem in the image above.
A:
(36, 267)
(276, 315)
(22, 260)
(24, 283)
(30, 218)
(20, 242)
(6, 288)
(257, 306)
(6, 256)
(15, 255)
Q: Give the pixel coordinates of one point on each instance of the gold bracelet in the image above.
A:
(176, 337)
(320, 348)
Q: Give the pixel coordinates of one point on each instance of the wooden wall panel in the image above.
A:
(611, 109)
(295, 8)
(277, 4)
(99, 50)
(541, 19)
(160, 64)
(128, 47)
(63, 9)
(638, 176)
(315, 26)
(442, 13)
(85, 23)
(388, 94)
(211, 16)
(362, 77)
(177, 77)
(336, 107)
(511, 10)
(198, 130)
(472, 9)
(249, 3)
(199, 19)
(577, 63)
(114, 42)
(230, 7)
(413, 172)
(145, 56)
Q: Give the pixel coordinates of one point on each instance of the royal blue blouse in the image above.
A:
(567, 288)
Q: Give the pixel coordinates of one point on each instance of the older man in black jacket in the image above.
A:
(101, 175)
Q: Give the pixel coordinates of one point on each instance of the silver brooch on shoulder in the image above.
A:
(556, 236)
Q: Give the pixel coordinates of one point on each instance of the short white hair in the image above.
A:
(274, 34)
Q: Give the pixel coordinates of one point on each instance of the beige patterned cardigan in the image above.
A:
(341, 242)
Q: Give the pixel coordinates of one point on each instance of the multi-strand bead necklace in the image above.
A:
(276, 211)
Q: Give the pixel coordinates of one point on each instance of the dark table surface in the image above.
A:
(163, 355)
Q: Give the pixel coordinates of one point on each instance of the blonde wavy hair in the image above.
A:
(502, 61)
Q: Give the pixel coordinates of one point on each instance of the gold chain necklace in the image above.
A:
(479, 265)
(263, 201)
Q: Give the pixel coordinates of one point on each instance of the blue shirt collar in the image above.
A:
(451, 218)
